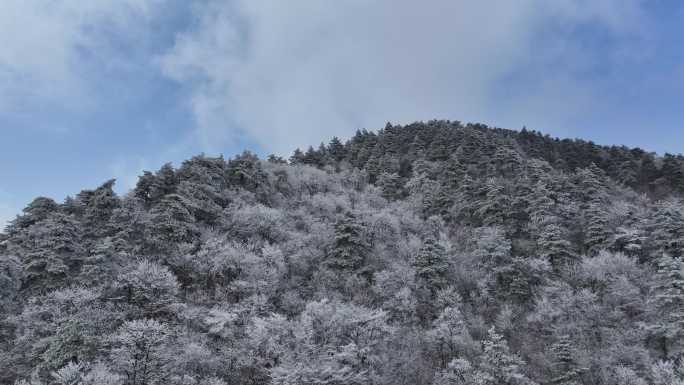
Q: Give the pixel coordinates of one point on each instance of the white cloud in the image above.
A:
(43, 40)
(290, 74)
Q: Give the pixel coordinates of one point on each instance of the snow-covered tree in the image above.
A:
(10, 275)
(172, 223)
(103, 261)
(461, 372)
(553, 246)
(565, 367)
(337, 343)
(139, 351)
(449, 335)
(152, 187)
(101, 374)
(431, 265)
(667, 228)
(499, 365)
(350, 246)
(667, 373)
(390, 185)
(53, 253)
(668, 306)
(148, 285)
(596, 233)
(495, 205)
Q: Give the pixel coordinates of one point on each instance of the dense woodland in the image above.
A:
(433, 253)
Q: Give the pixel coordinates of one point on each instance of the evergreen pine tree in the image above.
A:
(417, 148)
(464, 201)
(454, 173)
(440, 148)
(52, 254)
(275, 159)
(566, 370)
(98, 209)
(668, 304)
(297, 157)
(362, 147)
(312, 157)
(452, 179)
(499, 364)
(541, 206)
(506, 162)
(495, 204)
(431, 265)
(591, 185)
(471, 149)
(515, 279)
(350, 248)
(629, 240)
(374, 164)
(431, 269)
(103, 262)
(596, 234)
(10, 281)
(390, 185)
(172, 224)
(648, 172)
(151, 188)
(667, 227)
(554, 247)
(424, 191)
(673, 171)
(36, 211)
(245, 171)
(336, 149)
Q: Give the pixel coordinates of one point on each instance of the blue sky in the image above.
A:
(104, 89)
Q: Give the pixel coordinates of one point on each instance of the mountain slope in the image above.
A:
(432, 253)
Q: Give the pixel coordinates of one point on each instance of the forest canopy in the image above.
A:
(431, 253)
